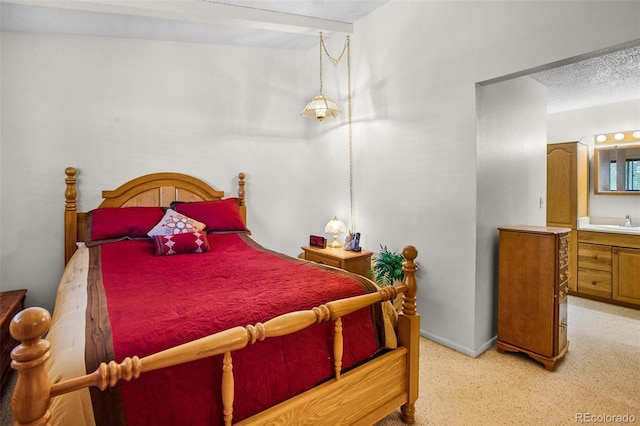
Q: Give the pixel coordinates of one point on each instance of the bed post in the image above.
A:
(31, 396)
(70, 215)
(409, 332)
(241, 197)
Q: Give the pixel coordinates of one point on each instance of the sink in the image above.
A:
(613, 228)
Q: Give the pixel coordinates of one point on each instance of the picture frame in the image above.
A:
(317, 241)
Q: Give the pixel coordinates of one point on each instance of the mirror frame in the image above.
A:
(596, 168)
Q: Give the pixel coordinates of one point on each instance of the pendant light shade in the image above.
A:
(320, 108)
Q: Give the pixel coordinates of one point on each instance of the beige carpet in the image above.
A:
(599, 376)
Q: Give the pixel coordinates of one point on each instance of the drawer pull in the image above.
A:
(594, 282)
(595, 257)
(563, 323)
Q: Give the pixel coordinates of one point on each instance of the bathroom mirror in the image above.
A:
(617, 169)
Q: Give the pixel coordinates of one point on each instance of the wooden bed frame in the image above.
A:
(362, 396)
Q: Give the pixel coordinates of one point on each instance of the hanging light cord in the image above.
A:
(336, 61)
(321, 44)
(353, 218)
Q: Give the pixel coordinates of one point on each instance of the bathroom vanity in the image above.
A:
(609, 264)
(604, 255)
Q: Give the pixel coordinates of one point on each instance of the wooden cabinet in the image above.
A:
(358, 262)
(11, 302)
(533, 286)
(609, 267)
(568, 194)
(626, 275)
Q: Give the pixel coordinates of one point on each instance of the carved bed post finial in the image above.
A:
(241, 197)
(409, 268)
(70, 214)
(70, 193)
(241, 194)
(31, 396)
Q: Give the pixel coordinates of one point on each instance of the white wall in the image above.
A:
(119, 108)
(416, 176)
(582, 125)
(511, 152)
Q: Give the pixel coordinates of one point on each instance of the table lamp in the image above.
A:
(335, 227)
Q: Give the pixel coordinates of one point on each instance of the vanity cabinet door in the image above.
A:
(626, 275)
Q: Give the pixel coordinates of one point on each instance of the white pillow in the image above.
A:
(175, 223)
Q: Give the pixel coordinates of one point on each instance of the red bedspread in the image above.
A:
(156, 302)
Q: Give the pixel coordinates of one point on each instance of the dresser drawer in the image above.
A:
(563, 276)
(564, 247)
(323, 259)
(594, 256)
(594, 282)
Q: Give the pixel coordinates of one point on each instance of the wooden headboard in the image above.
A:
(157, 189)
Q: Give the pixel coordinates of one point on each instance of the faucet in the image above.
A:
(627, 221)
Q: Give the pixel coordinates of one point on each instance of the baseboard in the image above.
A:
(469, 352)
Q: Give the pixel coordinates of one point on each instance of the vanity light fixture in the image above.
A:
(618, 137)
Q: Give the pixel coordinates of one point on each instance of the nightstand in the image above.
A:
(358, 262)
(11, 302)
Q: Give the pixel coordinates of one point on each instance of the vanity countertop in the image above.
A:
(610, 225)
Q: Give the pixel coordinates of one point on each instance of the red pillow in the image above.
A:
(189, 242)
(122, 222)
(218, 215)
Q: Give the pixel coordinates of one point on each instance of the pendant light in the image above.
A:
(321, 106)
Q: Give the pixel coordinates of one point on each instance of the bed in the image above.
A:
(168, 312)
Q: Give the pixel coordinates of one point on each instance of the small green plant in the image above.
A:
(387, 267)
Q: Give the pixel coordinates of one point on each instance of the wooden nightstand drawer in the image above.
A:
(11, 302)
(325, 260)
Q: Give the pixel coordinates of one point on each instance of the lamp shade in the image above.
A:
(335, 226)
(320, 108)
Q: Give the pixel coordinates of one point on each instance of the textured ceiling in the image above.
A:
(609, 78)
(604, 79)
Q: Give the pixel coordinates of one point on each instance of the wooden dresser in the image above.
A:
(532, 292)
(11, 302)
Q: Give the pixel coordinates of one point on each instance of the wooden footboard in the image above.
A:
(351, 398)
